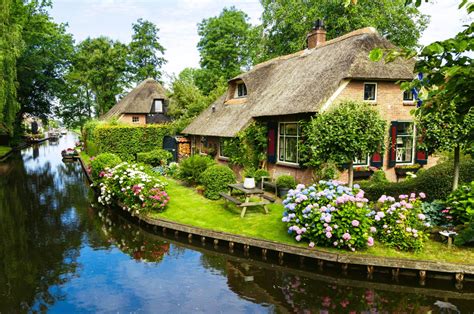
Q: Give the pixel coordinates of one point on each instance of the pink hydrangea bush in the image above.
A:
(136, 190)
(400, 223)
(329, 214)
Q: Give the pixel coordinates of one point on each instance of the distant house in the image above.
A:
(288, 89)
(147, 103)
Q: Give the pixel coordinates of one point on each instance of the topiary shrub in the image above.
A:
(191, 168)
(155, 157)
(328, 214)
(286, 181)
(215, 180)
(436, 182)
(102, 161)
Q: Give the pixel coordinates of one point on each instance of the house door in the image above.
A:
(170, 144)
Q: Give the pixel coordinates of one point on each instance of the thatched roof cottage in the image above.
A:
(282, 91)
(147, 103)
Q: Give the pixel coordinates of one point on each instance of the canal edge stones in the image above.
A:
(457, 271)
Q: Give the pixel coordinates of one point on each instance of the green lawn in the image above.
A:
(188, 207)
(4, 150)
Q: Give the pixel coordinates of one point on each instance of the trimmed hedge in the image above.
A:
(215, 180)
(128, 140)
(100, 162)
(436, 182)
(155, 157)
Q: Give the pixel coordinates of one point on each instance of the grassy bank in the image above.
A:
(4, 150)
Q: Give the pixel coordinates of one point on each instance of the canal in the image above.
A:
(62, 253)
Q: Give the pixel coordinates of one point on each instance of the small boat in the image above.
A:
(69, 153)
(63, 132)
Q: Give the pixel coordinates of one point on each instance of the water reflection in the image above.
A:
(60, 254)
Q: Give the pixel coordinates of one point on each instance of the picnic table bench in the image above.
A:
(264, 200)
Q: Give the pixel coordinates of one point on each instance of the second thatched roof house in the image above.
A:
(147, 103)
(288, 89)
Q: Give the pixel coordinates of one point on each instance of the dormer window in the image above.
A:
(157, 106)
(241, 90)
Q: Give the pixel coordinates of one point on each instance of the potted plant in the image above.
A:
(402, 171)
(249, 178)
(284, 184)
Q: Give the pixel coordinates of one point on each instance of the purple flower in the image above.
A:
(422, 195)
(328, 235)
(335, 243)
(370, 241)
(298, 238)
(355, 223)
(373, 229)
(346, 236)
(311, 244)
(421, 216)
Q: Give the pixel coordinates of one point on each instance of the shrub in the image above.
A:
(436, 214)
(215, 180)
(136, 190)
(286, 181)
(259, 173)
(400, 223)
(465, 235)
(328, 214)
(102, 161)
(460, 204)
(436, 182)
(128, 140)
(155, 157)
(325, 171)
(191, 168)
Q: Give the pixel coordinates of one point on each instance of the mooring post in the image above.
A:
(203, 240)
(459, 280)
(190, 237)
(280, 257)
(395, 273)
(231, 247)
(370, 271)
(264, 254)
(246, 249)
(216, 243)
(422, 274)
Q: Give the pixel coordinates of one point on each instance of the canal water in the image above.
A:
(62, 254)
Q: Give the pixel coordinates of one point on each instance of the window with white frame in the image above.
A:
(370, 91)
(408, 96)
(241, 90)
(361, 161)
(135, 119)
(157, 106)
(288, 142)
(405, 143)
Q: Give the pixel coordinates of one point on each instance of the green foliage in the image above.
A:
(434, 213)
(144, 50)
(378, 177)
(287, 22)
(259, 173)
(286, 181)
(155, 157)
(400, 224)
(216, 179)
(436, 182)
(465, 235)
(461, 204)
(223, 47)
(102, 161)
(248, 148)
(191, 168)
(325, 171)
(128, 140)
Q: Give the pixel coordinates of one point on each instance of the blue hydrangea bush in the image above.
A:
(401, 223)
(329, 214)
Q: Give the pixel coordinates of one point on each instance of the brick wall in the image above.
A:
(127, 118)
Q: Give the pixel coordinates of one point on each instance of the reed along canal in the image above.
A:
(61, 253)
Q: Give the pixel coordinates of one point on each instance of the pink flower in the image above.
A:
(373, 229)
(370, 241)
(298, 238)
(328, 235)
(422, 195)
(355, 223)
(421, 216)
(311, 244)
(346, 236)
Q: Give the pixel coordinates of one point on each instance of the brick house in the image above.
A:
(285, 90)
(147, 103)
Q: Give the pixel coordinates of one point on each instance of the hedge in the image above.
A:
(216, 179)
(155, 157)
(436, 182)
(101, 161)
(128, 140)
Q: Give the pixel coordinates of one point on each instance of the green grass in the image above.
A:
(85, 158)
(4, 150)
(188, 207)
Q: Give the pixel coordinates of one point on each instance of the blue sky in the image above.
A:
(177, 20)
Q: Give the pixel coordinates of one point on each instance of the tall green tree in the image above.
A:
(146, 53)
(287, 22)
(350, 130)
(224, 47)
(102, 65)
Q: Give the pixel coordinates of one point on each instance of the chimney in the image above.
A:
(317, 36)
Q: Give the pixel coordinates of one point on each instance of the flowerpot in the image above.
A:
(282, 192)
(249, 183)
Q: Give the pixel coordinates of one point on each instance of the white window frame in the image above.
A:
(413, 148)
(297, 143)
(376, 90)
(137, 118)
(153, 106)
(406, 101)
(355, 165)
(236, 93)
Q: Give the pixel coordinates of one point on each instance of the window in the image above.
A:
(408, 96)
(241, 90)
(135, 119)
(405, 143)
(288, 142)
(157, 106)
(370, 91)
(362, 161)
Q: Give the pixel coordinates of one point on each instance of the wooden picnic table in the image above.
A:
(248, 193)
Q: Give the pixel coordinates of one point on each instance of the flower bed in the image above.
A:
(136, 190)
(329, 214)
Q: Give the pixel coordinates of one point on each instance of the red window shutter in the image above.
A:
(376, 160)
(272, 138)
(392, 154)
(421, 156)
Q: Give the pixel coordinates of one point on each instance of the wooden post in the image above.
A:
(203, 240)
(231, 247)
(264, 254)
(370, 271)
(422, 274)
(280, 257)
(395, 273)
(164, 230)
(216, 243)
(344, 267)
(459, 280)
(301, 261)
(320, 264)
(176, 233)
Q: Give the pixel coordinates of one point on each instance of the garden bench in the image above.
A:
(228, 197)
(247, 193)
(267, 182)
(269, 198)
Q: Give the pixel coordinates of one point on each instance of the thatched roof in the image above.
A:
(300, 82)
(139, 100)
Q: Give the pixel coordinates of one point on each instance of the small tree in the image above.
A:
(350, 130)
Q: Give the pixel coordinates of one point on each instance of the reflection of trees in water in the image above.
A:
(130, 239)
(40, 236)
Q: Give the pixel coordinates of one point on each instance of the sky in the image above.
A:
(178, 19)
